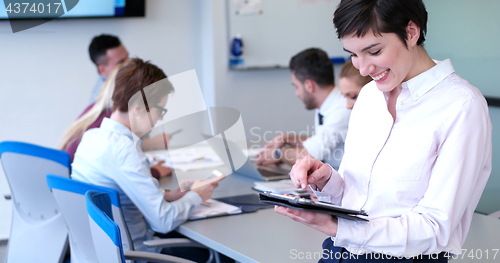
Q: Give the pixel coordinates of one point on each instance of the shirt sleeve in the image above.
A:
(332, 133)
(333, 190)
(136, 181)
(459, 175)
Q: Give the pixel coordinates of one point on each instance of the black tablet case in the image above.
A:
(268, 199)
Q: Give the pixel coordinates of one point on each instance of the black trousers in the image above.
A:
(332, 254)
(191, 253)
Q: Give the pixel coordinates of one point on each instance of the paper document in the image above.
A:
(186, 159)
(213, 208)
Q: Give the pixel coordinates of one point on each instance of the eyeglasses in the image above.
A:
(162, 110)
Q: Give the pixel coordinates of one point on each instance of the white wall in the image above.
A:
(265, 98)
(46, 75)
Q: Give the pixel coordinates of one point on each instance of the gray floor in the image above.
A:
(3, 249)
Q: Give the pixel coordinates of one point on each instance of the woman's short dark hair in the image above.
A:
(134, 77)
(313, 64)
(380, 16)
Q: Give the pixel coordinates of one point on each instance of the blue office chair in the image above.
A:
(37, 225)
(106, 233)
(70, 197)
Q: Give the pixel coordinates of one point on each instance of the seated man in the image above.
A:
(313, 78)
(106, 52)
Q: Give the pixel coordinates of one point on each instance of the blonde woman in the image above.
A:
(351, 82)
(92, 117)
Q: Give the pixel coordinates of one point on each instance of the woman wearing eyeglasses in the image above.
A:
(107, 156)
(92, 117)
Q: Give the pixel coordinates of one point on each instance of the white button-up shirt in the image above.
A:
(327, 143)
(419, 178)
(107, 156)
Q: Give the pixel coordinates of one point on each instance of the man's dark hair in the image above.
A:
(380, 16)
(313, 64)
(100, 45)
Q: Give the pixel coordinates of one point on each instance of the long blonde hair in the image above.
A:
(103, 102)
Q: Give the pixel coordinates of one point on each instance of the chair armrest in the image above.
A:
(172, 242)
(153, 257)
(7, 197)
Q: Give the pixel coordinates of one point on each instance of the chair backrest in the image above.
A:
(105, 232)
(70, 197)
(37, 224)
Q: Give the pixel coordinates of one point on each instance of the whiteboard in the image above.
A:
(284, 28)
(468, 33)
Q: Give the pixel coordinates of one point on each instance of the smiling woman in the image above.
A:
(418, 152)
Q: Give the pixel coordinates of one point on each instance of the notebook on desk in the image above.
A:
(262, 173)
(247, 203)
(214, 208)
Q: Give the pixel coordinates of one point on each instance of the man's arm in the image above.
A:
(291, 139)
(290, 155)
(294, 140)
(286, 154)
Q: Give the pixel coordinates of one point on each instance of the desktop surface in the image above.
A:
(261, 236)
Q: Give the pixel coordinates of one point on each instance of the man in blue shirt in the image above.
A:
(106, 51)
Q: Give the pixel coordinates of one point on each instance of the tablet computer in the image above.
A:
(309, 205)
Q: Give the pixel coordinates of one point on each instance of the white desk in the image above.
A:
(265, 236)
(262, 236)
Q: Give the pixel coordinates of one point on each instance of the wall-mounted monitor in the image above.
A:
(43, 9)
